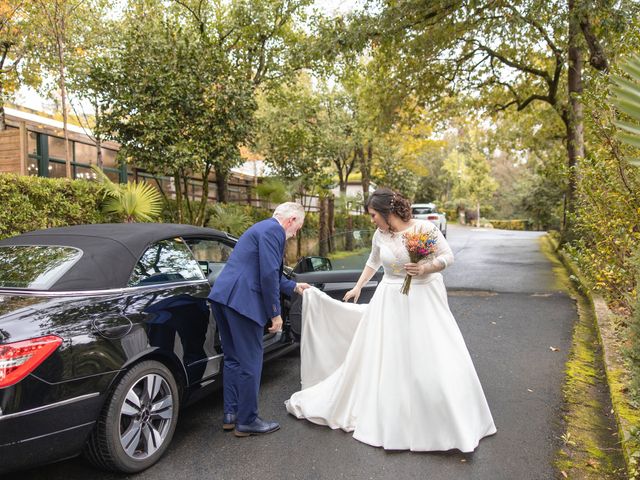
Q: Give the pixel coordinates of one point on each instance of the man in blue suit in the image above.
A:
(244, 298)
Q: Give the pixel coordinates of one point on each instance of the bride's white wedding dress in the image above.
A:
(395, 372)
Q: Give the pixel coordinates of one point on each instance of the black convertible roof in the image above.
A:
(110, 250)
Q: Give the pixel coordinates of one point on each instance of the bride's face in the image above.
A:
(378, 220)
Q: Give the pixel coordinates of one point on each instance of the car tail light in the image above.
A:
(432, 217)
(19, 359)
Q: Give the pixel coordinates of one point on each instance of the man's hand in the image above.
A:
(301, 287)
(353, 293)
(276, 324)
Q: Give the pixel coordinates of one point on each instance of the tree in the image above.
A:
(289, 134)
(188, 110)
(468, 166)
(508, 55)
(627, 100)
(66, 27)
(264, 42)
(18, 38)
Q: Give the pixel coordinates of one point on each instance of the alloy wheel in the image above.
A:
(145, 416)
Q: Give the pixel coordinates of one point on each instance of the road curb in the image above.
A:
(627, 418)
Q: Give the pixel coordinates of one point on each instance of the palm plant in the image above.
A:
(229, 218)
(626, 97)
(274, 190)
(133, 201)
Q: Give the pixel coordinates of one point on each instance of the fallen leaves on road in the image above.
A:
(554, 349)
(564, 474)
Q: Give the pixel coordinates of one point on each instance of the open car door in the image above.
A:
(335, 275)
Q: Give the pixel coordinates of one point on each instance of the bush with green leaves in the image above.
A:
(232, 218)
(606, 223)
(521, 224)
(30, 203)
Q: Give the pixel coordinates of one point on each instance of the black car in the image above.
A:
(105, 332)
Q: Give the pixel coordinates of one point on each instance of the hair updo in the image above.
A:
(385, 201)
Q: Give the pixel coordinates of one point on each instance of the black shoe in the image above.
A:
(229, 421)
(257, 427)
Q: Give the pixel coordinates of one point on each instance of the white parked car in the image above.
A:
(428, 211)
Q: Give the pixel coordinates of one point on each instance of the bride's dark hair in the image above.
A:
(385, 201)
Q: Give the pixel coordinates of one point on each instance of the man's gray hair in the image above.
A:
(286, 210)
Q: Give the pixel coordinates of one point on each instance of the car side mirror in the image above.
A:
(313, 264)
(204, 266)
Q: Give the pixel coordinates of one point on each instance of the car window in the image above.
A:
(35, 267)
(212, 255)
(209, 250)
(422, 210)
(166, 261)
(349, 251)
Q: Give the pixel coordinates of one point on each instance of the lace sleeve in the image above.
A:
(444, 254)
(374, 260)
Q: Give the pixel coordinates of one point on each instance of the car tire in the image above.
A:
(138, 420)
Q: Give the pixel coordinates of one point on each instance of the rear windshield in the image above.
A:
(422, 210)
(35, 267)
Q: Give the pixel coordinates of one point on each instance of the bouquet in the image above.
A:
(420, 245)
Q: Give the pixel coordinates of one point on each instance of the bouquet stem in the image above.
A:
(406, 285)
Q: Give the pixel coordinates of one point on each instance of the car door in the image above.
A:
(168, 297)
(212, 255)
(337, 274)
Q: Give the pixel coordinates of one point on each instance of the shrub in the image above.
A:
(521, 224)
(230, 217)
(31, 203)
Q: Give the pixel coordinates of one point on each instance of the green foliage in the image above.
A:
(30, 203)
(392, 173)
(627, 100)
(608, 205)
(633, 341)
(132, 202)
(230, 217)
(188, 110)
(273, 190)
(511, 224)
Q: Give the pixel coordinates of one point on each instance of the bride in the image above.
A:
(395, 372)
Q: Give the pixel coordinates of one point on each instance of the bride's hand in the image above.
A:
(415, 268)
(353, 293)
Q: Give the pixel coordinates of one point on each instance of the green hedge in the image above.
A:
(512, 224)
(30, 203)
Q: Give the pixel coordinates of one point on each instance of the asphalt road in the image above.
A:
(510, 309)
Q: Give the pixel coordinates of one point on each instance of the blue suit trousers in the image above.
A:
(241, 340)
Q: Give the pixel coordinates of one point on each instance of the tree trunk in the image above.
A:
(365, 169)
(323, 228)
(221, 183)
(63, 98)
(176, 182)
(3, 122)
(98, 135)
(477, 214)
(331, 227)
(349, 234)
(574, 114)
(202, 208)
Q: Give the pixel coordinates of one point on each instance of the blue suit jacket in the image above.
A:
(252, 279)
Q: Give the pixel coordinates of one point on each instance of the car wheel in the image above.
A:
(138, 420)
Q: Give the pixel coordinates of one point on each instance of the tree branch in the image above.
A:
(539, 28)
(514, 64)
(597, 57)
